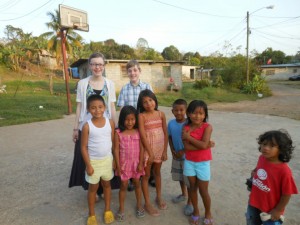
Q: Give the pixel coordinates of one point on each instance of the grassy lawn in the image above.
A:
(29, 100)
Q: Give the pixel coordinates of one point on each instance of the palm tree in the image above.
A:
(54, 36)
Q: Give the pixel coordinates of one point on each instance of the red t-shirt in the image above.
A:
(270, 182)
(200, 155)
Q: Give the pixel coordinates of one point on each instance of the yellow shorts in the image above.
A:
(102, 170)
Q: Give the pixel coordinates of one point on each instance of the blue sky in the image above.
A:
(190, 25)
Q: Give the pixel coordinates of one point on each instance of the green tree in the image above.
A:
(171, 53)
(54, 36)
(277, 57)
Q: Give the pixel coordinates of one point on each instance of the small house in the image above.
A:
(157, 73)
(280, 71)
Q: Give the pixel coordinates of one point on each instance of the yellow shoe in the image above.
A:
(92, 220)
(108, 217)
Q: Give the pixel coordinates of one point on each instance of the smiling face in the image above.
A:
(197, 116)
(96, 108)
(97, 66)
(130, 121)
(179, 112)
(134, 74)
(149, 104)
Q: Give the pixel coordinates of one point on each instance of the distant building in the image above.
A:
(280, 71)
(156, 73)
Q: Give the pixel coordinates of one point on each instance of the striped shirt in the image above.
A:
(129, 94)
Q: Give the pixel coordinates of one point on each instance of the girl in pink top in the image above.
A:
(154, 135)
(129, 155)
(196, 140)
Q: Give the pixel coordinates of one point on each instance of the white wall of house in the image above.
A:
(280, 73)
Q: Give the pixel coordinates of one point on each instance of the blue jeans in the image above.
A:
(253, 218)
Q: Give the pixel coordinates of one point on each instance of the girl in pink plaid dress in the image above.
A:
(154, 136)
(129, 156)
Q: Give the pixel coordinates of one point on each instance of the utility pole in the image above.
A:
(247, 48)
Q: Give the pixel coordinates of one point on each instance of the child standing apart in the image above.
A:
(176, 145)
(273, 182)
(153, 131)
(96, 150)
(129, 158)
(196, 139)
(129, 93)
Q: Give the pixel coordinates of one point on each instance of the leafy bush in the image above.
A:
(256, 85)
(200, 84)
(218, 82)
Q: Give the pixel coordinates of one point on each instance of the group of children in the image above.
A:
(139, 145)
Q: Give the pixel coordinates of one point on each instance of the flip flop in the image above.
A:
(207, 221)
(92, 220)
(108, 217)
(178, 199)
(120, 217)
(194, 220)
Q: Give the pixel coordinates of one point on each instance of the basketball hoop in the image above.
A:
(81, 26)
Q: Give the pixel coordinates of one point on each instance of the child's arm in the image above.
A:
(191, 143)
(141, 160)
(276, 212)
(84, 149)
(116, 153)
(172, 147)
(112, 125)
(164, 126)
(144, 138)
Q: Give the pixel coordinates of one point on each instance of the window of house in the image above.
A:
(167, 71)
(123, 70)
(270, 72)
(294, 70)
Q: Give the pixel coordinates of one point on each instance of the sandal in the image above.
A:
(108, 217)
(162, 205)
(208, 221)
(188, 210)
(120, 217)
(194, 220)
(92, 220)
(140, 213)
(179, 198)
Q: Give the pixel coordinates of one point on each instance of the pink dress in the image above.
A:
(155, 136)
(129, 155)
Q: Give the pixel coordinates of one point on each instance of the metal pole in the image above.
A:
(63, 49)
(247, 48)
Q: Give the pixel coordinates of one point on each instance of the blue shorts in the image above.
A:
(199, 169)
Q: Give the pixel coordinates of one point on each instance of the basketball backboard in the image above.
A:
(73, 18)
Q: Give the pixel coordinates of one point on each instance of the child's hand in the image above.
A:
(164, 156)
(180, 154)
(89, 170)
(212, 144)
(118, 170)
(140, 168)
(185, 135)
(275, 214)
(114, 165)
(75, 135)
(151, 157)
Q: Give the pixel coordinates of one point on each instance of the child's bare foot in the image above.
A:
(161, 204)
(151, 210)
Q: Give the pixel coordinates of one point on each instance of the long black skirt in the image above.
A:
(77, 177)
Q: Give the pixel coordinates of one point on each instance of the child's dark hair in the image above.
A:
(192, 107)
(92, 98)
(280, 138)
(145, 93)
(125, 111)
(179, 102)
(133, 63)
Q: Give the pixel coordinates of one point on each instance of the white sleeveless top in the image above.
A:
(99, 141)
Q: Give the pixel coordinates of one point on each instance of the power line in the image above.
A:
(28, 13)
(193, 11)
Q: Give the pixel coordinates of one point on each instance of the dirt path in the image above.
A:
(285, 102)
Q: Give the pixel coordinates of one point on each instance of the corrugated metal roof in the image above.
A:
(281, 65)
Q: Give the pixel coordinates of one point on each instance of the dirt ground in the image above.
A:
(36, 159)
(284, 102)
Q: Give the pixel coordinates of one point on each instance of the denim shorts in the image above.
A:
(253, 217)
(199, 169)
